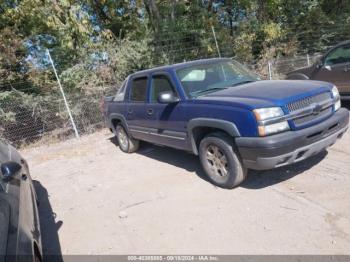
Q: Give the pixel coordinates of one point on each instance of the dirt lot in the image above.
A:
(157, 201)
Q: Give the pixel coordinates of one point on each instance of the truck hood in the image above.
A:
(269, 92)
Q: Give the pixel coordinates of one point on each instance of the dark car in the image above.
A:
(217, 109)
(20, 237)
(333, 67)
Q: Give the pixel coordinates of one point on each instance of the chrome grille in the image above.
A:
(300, 104)
(325, 112)
(306, 102)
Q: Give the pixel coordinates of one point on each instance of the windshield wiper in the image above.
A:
(199, 92)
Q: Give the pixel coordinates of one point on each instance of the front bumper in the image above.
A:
(262, 153)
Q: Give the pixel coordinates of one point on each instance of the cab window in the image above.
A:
(160, 83)
(138, 92)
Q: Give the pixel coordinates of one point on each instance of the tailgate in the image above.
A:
(104, 105)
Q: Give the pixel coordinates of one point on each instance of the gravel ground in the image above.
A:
(97, 200)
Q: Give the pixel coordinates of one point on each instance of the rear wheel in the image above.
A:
(220, 160)
(126, 143)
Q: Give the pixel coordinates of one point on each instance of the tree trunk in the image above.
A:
(230, 20)
(210, 6)
(153, 13)
(261, 12)
(173, 9)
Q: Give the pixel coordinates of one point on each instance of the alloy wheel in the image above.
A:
(217, 160)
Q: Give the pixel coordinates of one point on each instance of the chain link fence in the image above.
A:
(45, 119)
(27, 119)
(280, 67)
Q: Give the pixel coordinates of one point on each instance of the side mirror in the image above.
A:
(167, 97)
(10, 169)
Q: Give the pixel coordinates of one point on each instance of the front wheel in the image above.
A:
(220, 160)
(126, 143)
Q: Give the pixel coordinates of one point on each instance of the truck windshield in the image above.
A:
(206, 78)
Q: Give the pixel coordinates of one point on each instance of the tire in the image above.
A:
(126, 143)
(221, 161)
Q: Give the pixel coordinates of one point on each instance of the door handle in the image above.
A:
(346, 69)
(150, 111)
(129, 111)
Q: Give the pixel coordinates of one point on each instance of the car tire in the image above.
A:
(221, 161)
(126, 143)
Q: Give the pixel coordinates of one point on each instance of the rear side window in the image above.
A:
(121, 92)
(138, 91)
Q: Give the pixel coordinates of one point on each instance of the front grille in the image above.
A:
(304, 119)
(306, 102)
(300, 104)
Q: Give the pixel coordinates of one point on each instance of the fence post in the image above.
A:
(63, 95)
(308, 59)
(216, 42)
(270, 69)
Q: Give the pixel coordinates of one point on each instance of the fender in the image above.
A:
(224, 125)
(122, 119)
(297, 76)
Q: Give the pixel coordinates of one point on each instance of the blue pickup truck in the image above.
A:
(219, 110)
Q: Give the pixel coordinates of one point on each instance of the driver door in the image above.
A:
(167, 119)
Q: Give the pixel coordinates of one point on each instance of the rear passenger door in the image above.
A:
(136, 115)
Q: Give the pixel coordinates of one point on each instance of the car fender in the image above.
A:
(297, 76)
(121, 118)
(223, 125)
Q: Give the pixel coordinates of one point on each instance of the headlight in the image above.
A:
(336, 96)
(335, 92)
(263, 114)
(337, 105)
(267, 113)
(273, 128)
